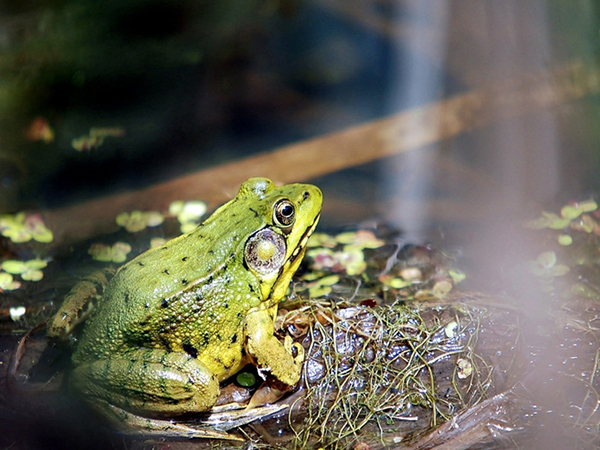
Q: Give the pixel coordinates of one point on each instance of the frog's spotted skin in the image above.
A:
(178, 319)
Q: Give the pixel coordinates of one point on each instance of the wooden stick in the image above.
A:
(407, 130)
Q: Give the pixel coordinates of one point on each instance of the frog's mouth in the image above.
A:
(299, 250)
(285, 274)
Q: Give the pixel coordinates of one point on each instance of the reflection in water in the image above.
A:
(417, 82)
(520, 158)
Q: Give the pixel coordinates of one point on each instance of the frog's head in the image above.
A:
(287, 215)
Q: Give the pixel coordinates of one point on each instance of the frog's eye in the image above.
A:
(284, 213)
(265, 251)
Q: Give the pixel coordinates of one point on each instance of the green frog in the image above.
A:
(178, 319)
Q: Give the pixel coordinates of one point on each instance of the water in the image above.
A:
(493, 107)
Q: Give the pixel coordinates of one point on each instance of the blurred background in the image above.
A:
(452, 121)
(102, 97)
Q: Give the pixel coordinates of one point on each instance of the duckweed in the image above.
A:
(21, 228)
(116, 253)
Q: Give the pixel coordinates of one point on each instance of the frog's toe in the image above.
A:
(129, 423)
(228, 420)
(299, 358)
(294, 348)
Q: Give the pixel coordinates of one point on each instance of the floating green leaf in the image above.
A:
(188, 213)
(360, 239)
(565, 239)
(442, 288)
(588, 206)
(139, 220)
(16, 312)
(246, 379)
(106, 253)
(322, 240)
(7, 283)
(20, 228)
(457, 276)
(570, 212)
(29, 270)
(547, 259)
(322, 286)
(559, 270)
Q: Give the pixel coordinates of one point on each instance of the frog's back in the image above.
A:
(145, 284)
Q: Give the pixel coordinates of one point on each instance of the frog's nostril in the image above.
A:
(305, 195)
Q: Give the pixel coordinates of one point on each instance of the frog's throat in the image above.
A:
(289, 267)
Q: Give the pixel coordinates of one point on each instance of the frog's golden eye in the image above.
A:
(265, 251)
(284, 213)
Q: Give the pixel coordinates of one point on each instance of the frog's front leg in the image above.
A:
(78, 304)
(268, 352)
(133, 389)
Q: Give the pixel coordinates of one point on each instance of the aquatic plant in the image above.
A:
(116, 253)
(21, 228)
(28, 270)
(7, 283)
(95, 138)
(139, 220)
(374, 373)
(188, 213)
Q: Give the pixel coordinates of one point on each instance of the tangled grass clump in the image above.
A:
(374, 372)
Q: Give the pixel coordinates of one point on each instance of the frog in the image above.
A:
(179, 319)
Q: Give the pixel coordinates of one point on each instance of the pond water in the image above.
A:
(449, 122)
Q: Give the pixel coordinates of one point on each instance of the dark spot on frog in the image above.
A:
(211, 252)
(226, 305)
(255, 212)
(164, 303)
(126, 298)
(234, 338)
(219, 337)
(200, 236)
(251, 288)
(205, 338)
(225, 366)
(190, 350)
(185, 258)
(184, 281)
(106, 369)
(166, 271)
(164, 248)
(165, 342)
(305, 195)
(141, 264)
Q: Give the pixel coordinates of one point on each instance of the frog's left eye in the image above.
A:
(284, 213)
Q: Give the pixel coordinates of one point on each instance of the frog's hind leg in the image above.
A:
(149, 383)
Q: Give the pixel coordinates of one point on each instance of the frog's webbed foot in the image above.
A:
(225, 420)
(130, 423)
(268, 353)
